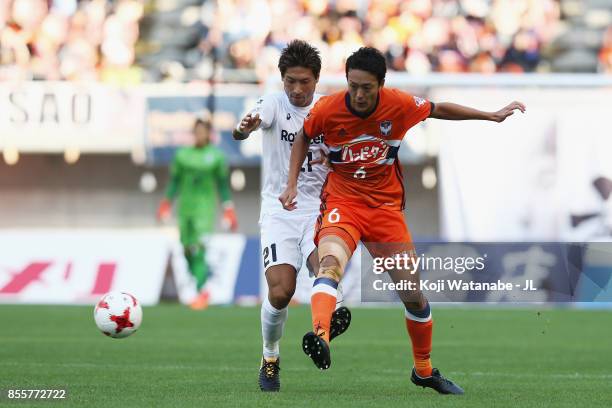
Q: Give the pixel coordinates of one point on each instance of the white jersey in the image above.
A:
(280, 123)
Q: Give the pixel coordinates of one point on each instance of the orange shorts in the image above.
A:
(353, 222)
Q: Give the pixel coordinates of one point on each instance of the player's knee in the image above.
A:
(330, 268)
(334, 256)
(280, 292)
(280, 296)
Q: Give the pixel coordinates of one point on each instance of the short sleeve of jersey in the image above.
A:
(313, 124)
(415, 108)
(265, 108)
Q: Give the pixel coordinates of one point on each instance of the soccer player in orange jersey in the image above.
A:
(363, 196)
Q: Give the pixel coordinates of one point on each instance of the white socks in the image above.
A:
(272, 325)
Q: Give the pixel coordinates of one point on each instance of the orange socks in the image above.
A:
(420, 328)
(323, 304)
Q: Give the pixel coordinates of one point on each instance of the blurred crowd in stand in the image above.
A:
(99, 39)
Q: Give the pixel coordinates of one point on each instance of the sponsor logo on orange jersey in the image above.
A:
(365, 149)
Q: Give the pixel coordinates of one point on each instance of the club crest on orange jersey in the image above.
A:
(418, 101)
(385, 127)
(365, 149)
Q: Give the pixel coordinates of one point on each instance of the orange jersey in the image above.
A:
(363, 151)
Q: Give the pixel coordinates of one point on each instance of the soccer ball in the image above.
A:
(118, 314)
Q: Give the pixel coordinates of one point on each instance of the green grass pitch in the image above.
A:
(182, 358)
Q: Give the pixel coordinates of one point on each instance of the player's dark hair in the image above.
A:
(370, 60)
(299, 53)
(200, 121)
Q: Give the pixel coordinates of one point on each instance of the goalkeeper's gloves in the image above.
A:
(164, 210)
(229, 220)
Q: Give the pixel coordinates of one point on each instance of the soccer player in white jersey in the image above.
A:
(287, 238)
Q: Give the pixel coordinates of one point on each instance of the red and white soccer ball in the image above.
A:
(118, 314)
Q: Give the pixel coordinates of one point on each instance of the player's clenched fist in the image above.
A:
(287, 198)
(164, 210)
(229, 220)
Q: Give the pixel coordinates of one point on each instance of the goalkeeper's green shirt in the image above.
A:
(197, 174)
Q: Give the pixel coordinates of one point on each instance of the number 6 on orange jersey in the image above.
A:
(333, 216)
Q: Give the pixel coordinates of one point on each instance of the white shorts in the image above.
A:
(287, 238)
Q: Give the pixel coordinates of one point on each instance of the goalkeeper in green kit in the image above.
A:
(197, 175)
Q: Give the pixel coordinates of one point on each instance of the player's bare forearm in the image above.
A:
(298, 154)
(453, 111)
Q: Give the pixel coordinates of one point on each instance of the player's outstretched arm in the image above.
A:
(453, 111)
(298, 154)
(248, 124)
